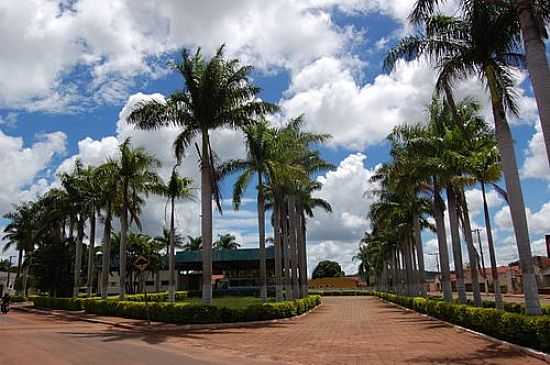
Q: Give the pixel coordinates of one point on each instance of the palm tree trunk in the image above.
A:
(293, 246)
(206, 221)
(442, 244)
(286, 258)
(106, 259)
(537, 65)
(302, 252)
(406, 250)
(172, 255)
(494, 271)
(420, 257)
(26, 276)
(261, 232)
(471, 251)
(91, 254)
(123, 244)
(78, 256)
(17, 284)
(278, 253)
(515, 197)
(456, 245)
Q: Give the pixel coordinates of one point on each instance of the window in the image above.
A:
(164, 282)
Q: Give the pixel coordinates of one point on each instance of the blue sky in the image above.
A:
(70, 77)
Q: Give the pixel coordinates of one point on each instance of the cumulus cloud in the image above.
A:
(345, 226)
(22, 163)
(60, 51)
(536, 160)
(539, 221)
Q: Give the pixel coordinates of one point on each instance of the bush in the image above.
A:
(156, 297)
(186, 313)
(18, 299)
(70, 304)
(518, 328)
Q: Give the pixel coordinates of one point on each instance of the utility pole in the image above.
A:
(477, 230)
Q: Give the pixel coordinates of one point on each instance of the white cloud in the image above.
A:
(335, 236)
(539, 221)
(536, 160)
(21, 165)
(356, 115)
(475, 201)
(55, 49)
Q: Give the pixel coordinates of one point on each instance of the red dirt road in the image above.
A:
(344, 330)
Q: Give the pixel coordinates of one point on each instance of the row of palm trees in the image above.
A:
(456, 148)
(217, 94)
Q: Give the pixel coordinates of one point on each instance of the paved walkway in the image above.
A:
(344, 330)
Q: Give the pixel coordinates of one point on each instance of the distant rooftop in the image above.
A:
(241, 254)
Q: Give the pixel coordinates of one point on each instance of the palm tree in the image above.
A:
(532, 17)
(218, 93)
(19, 234)
(193, 243)
(176, 188)
(259, 143)
(108, 190)
(362, 257)
(482, 44)
(226, 242)
(486, 168)
(135, 176)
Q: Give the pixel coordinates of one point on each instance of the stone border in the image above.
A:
(170, 327)
(526, 350)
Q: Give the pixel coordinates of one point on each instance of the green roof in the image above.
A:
(242, 254)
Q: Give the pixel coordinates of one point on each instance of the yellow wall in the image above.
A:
(340, 283)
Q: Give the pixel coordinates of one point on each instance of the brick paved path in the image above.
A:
(343, 330)
(358, 330)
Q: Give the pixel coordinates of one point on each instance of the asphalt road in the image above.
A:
(39, 339)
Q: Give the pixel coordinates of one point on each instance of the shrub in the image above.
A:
(340, 292)
(18, 299)
(200, 313)
(156, 297)
(518, 328)
(70, 304)
(182, 312)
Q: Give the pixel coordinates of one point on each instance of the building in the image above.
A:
(233, 270)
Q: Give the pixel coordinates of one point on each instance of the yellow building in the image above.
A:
(334, 283)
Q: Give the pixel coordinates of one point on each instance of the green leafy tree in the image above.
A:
(327, 269)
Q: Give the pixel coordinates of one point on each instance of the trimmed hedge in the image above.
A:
(155, 297)
(185, 313)
(70, 304)
(521, 329)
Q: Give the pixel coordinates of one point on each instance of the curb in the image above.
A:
(176, 327)
(526, 350)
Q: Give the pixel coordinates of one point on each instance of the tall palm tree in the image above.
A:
(218, 93)
(135, 176)
(532, 16)
(482, 44)
(362, 257)
(226, 242)
(259, 142)
(108, 190)
(176, 188)
(486, 168)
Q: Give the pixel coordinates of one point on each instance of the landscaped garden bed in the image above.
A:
(188, 311)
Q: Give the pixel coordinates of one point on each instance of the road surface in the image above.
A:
(343, 330)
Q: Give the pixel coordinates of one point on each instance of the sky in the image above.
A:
(72, 70)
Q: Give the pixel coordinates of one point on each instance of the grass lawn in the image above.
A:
(228, 302)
